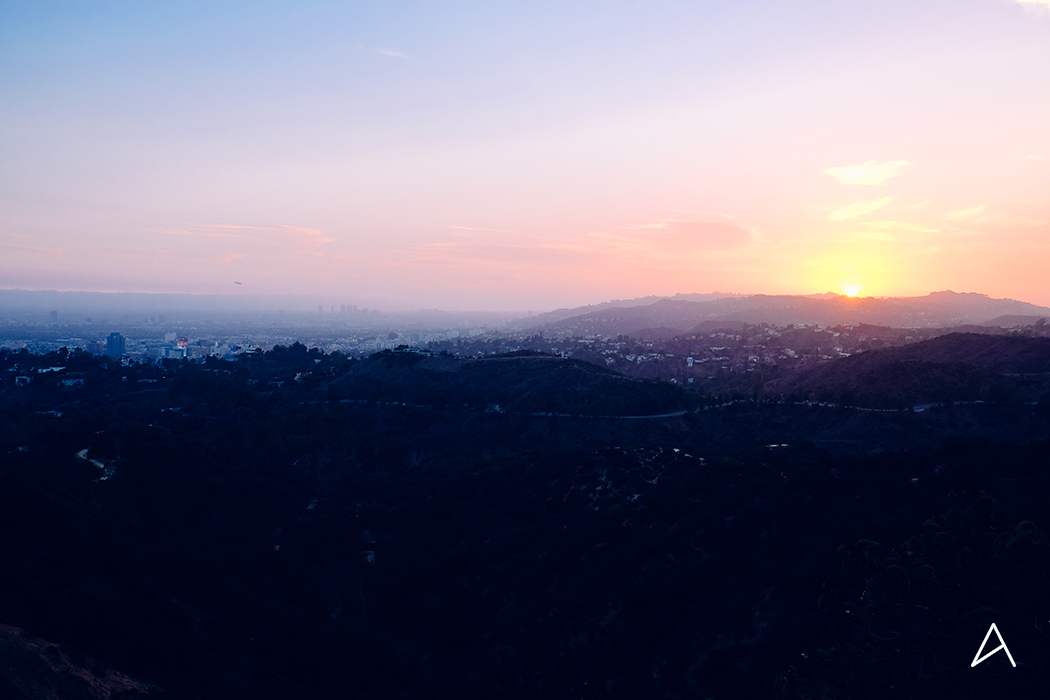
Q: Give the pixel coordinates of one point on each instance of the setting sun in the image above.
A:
(852, 290)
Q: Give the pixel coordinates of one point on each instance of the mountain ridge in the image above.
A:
(945, 369)
(937, 309)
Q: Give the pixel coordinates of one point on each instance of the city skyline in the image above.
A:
(471, 157)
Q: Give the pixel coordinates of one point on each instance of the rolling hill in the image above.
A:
(667, 316)
(952, 367)
(525, 382)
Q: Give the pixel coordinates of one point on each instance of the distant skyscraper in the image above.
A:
(115, 345)
(54, 317)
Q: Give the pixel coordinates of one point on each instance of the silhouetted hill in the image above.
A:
(1014, 320)
(33, 669)
(231, 529)
(561, 314)
(939, 309)
(517, 383)
(952, 367)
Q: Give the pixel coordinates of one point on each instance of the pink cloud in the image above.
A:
(299, 235)
(683, 235)
(52, 252)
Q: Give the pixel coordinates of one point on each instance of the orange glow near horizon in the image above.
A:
(528, 156)
(857, 267)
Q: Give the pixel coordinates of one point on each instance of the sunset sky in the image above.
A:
(483, 155)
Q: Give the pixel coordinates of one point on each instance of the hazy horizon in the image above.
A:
(526, 157)
(35, 301)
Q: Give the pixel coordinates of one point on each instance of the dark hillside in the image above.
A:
(1012, 320)
(952, 367)
(37, 670)
(516, 383)
(236, 529)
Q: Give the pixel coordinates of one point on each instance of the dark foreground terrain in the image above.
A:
(294, 524)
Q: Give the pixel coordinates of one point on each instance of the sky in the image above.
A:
(526, 155)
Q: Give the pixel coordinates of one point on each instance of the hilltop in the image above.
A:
(952, 367)
(671, 316)
(523, 382)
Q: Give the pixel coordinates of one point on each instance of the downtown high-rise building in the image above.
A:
(115, 345)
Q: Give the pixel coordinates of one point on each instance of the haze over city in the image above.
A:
(526, 156)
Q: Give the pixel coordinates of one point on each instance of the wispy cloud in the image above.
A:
(307, 236)
(966, 214)
(53, 252)
(869, 173)
(226, 258)
(877, 236)
(297, 234)
(858, 209)
(900, 226)
(493, 255)
(688, 234)
(381, 51)
(481, 228)
(204, 232)
(981, 215)
(506, 256)
(1035, 4)
(1037, 157)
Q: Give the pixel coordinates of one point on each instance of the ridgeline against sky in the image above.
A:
(526, 156)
